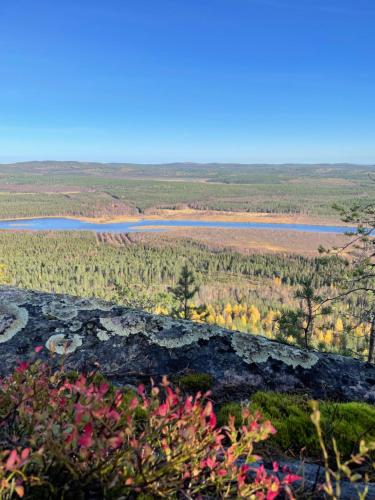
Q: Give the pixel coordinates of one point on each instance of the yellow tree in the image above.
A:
(228, 309)
(2, 274)
(254, 314)
(339, 326)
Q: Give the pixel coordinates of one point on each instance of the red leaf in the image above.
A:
(22, 367)
(86, 438)
(291, 478)
(213, 420)
(25, 453)
(13, 460)
(141, 389)
(103, 389)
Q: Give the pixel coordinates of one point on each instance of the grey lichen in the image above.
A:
(257, 349)
(12, 320)
(75, 326)
(59, 309)
(64, 344)
(129, 324)
(175, 335)
(92, 304)
(103, 335)
(13, 296)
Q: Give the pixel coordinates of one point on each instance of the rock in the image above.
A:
(131, 346)
(312, 479)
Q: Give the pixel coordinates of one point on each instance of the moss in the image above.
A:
(227, 410)
(194, 382)
(349, 423)
(290, 415)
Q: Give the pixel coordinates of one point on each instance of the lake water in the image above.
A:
(64, 224)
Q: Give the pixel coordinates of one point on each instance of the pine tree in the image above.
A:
(185, 290)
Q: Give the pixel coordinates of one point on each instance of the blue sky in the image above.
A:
(187, 80)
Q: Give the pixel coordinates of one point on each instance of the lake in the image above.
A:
(149, 225)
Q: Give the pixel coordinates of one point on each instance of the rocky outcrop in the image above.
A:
(131, 346)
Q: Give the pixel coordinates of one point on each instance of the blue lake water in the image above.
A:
(65, 224)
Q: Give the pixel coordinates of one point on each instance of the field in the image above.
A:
(248, 241)
(115, 190)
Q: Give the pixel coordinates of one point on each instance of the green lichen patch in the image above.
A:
(129, 324)
(178, 334)
(257, 349)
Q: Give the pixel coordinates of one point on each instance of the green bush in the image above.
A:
(194, 382)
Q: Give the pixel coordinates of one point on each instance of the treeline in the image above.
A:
(77, 263)
(90, 195)
(242, 292)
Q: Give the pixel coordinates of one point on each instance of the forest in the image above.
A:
(97, 190)
(251, 293)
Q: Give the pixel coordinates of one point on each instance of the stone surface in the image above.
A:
(130, 346)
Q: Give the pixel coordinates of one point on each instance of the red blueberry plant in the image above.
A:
(65, 436)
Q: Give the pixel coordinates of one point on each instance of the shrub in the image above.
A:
(194, 382)
(69, 437)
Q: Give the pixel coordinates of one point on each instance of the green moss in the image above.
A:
(194, 382)
(290, 414)
(227, 410)
(348, 423)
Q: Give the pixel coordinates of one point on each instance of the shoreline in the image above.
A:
(198, 215)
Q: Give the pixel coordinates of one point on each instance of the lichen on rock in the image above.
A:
(12, 320)
(86, 304)
(14, 296)
(131, 323)
(59, 309)
(64, 343)
(260, 349)
(75, 326)
(177, 334)
(103, 335)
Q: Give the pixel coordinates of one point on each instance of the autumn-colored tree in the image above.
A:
(299, 323)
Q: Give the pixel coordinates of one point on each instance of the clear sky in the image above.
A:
(187, 80)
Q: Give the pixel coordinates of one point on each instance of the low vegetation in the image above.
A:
(79, 437)
(346, 423)
(74, 435)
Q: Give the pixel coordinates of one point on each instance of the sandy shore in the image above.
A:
(187, 214)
